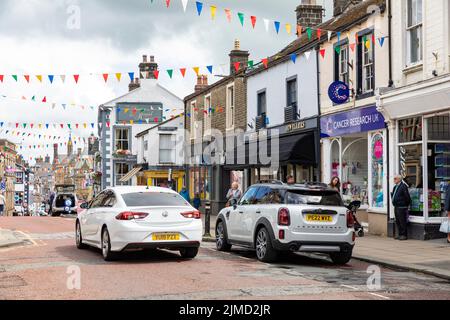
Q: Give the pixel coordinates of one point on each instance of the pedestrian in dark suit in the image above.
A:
(401, 201)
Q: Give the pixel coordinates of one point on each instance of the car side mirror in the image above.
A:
(234, 203)
(84, 205)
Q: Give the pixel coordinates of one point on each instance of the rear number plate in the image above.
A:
(318, 218)
(166, 237)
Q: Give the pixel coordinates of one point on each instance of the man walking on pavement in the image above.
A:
(401, 201)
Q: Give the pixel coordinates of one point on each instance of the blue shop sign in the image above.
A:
(355, 121)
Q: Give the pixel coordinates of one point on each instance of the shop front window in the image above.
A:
(377, 170)
(410, 130)
(200, 182)
(438, 160)
(411, 170)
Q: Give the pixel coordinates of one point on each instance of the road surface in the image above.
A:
(49, 266)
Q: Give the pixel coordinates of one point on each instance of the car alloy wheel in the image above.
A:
(78, 235)
(219, 235)
(105, 243)
(261, 244)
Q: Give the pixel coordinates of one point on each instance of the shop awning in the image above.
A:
(130, 174)
(293, 149)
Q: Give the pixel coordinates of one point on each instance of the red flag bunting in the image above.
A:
(76, 77)
(237, 65)
(265, 62)
(319, 33)
(167, 3)
(105, 77)
(44, 100)
(253, 18)
(183, 71)
(353, 46)
(1, 77)
(27, 77)
(156, 74)
(322, 53)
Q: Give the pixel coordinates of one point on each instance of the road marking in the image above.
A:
(379, 296)
(354, 288)
(28, 238)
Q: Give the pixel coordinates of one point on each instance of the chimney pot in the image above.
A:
(144, 58)
(152, 58)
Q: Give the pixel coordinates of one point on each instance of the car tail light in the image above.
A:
(284, 218)
(350, 219)
(281, 235)
(129, 215)
(195, 214)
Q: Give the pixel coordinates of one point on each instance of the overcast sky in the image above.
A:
(41, 37)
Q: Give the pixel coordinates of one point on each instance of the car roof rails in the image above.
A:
(313, 185)
(279, 182)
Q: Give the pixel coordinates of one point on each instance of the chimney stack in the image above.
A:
(147, 67)
(238, 55)
(309, 14)
(202, 83)
(339, 6)
(134, 84)
(55, 153)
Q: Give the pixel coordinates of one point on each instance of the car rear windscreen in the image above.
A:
(153, 199)
(313, 197)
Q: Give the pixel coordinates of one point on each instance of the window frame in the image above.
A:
(289, 101)
(172, 150)
(118, 176)
(259, 111)
(362, 92)
(121, 141)
(338, 62)
(230, 106)
(193, 132)
(410, 28)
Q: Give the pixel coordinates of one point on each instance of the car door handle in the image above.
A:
(241, 212)
(258, 211)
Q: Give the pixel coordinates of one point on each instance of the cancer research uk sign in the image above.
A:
(355, 121)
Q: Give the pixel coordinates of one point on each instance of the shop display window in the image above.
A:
(377, 154)
(438, 160)
(411, 170)
(410, 130)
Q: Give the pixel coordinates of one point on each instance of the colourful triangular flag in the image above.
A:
(241, 18)
(14, 77)
(266, 24)
(76, 77)
(213, 12)
(277, 26)
(322, 53)
(237, 65)
(39, 77)
(170, 72)
(294, 57)
(118, 76)
(228, 14)
(51, 77)
(131, 75)
(288, 28)
(199, 7)
(309, 32)
(210, 69)
(253, 20)
(381, 41)
(196, 70)
(184, 3)
(265, 62)
(105, 77)
(27, 78)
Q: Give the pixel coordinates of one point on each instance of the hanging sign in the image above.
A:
(339, 92)
(355, 121)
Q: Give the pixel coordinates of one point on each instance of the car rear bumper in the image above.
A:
(309, 246)
(162, 245)
(132, 234)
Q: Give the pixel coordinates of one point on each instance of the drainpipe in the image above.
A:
(391, 82)
(319, 149)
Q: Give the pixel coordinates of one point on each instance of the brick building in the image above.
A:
(220, 106)
(8, 155)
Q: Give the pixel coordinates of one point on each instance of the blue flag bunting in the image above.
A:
(199, 7)
(210, 69)
(51, 77)
(294, 57)
(277, 26)
(381, 40)
(131, 74)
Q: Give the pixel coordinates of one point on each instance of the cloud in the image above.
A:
(112, 37)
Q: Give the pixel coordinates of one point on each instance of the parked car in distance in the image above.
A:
(65, 201)
(129, 218)
(274, 217)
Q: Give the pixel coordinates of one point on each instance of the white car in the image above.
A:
(125, 218)
(274, 217)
